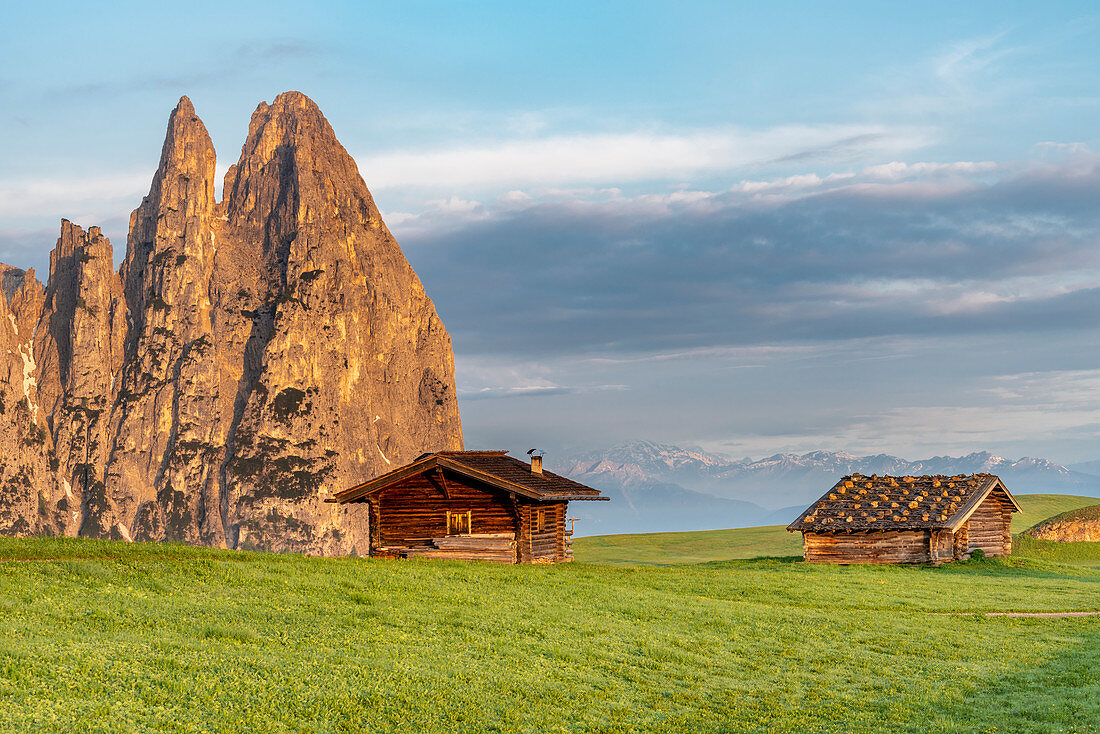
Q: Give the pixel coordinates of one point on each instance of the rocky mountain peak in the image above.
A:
(291, 150)
(187, 157)
(251, 356)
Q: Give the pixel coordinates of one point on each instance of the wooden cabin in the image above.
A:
(929, 519)
(471, 505)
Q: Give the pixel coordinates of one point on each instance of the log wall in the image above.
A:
(894, 546)
(415, 511)
(989, 528)
(524, 536)
(962, 543)
(548, 545)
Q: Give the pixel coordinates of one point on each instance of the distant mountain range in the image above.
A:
(656, 487)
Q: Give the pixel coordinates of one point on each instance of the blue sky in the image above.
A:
(747, 227)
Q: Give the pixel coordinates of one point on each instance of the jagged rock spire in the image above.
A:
(250, 357)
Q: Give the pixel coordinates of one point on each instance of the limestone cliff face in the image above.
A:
(250, 357)
(25, 474)
(354, 366)
(78, 351)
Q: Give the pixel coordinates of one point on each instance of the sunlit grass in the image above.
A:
(169, 638)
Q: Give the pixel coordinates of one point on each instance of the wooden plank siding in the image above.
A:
(989, 527)
(410, 515)
(548, 545)
(896, 546)
(414, 511)
(941, 546)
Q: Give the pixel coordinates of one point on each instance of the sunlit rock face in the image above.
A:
(249, 358)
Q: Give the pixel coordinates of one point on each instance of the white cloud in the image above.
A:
(482, 378)
(959, 63)
(455, 204)
(631, 157)
(896, 170)
(1049, 147)
(68, 197)
(1056, 391)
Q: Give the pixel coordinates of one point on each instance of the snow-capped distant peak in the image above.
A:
(636, 462)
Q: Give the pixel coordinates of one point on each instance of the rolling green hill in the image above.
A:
(770, 541)
(666, 549)
(1038, 507)
(110, 637)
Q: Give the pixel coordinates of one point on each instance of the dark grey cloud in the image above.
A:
(846, 148)
(862, 260)
(28, 249)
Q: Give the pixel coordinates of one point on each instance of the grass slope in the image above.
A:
(1086, 514)
(1038, 507)
(101, 636)
(1082, 554)
(770, 541)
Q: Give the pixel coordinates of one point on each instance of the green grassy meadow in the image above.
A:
(667, 549)
(115, 637)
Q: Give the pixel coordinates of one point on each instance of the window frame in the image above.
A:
(467, 516)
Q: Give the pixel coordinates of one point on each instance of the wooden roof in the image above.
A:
(494, 468)
(859, 503)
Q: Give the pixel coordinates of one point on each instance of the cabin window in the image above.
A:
(459, 523)
(538, 522)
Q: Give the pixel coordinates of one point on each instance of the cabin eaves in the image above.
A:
(494, 468)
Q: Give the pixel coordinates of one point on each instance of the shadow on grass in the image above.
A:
(1020, 568)
(1062, 692)
(759, 561)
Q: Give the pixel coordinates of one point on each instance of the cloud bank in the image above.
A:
(896, 249)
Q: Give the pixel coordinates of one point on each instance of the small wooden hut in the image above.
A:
(929, 519)
(470, 505)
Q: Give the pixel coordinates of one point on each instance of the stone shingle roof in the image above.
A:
(859, 503)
